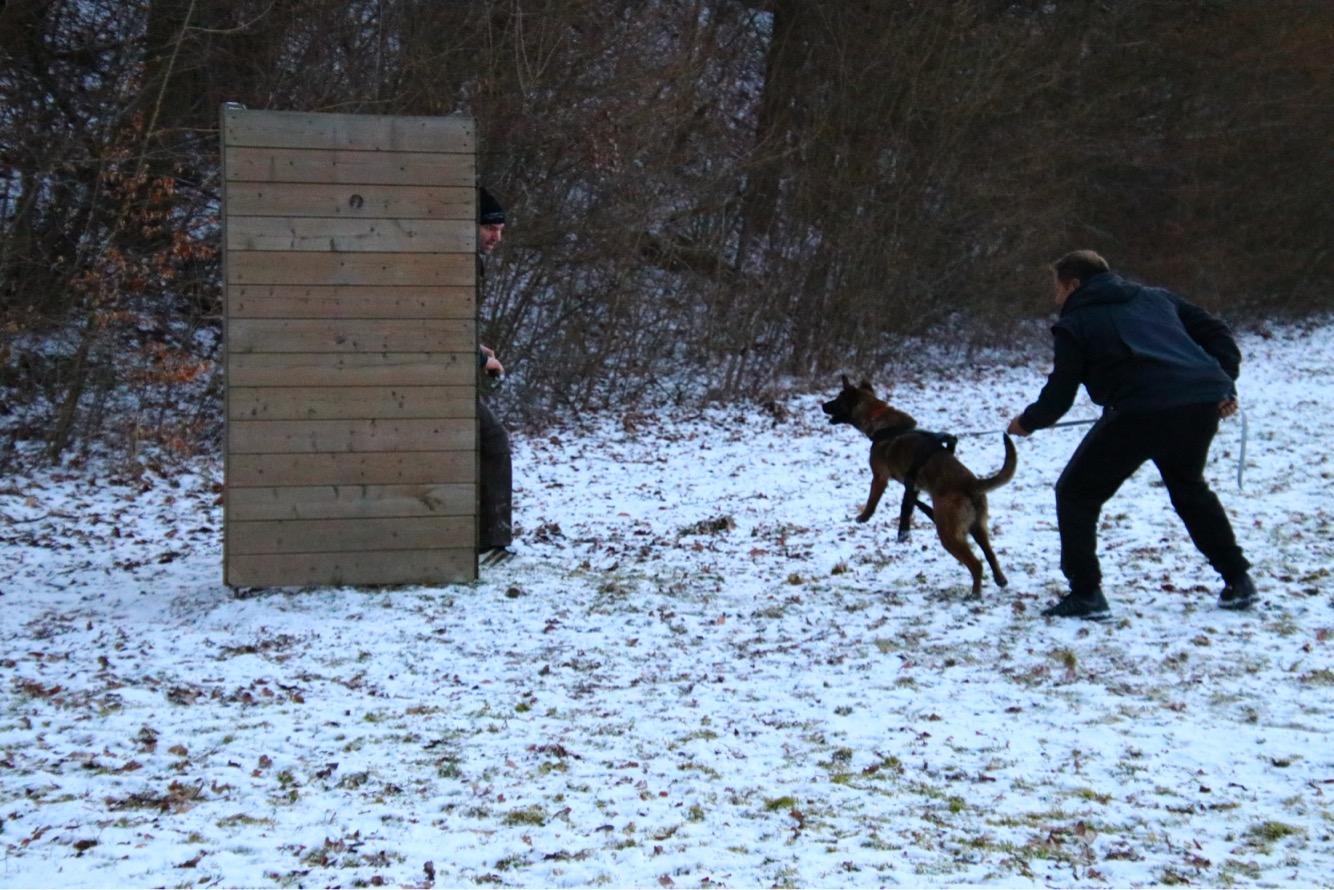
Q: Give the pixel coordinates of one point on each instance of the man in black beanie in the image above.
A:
(495, 531)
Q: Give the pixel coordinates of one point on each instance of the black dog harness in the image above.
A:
(929, 446)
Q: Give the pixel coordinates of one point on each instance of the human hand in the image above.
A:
(493, 367)
(1228, 407)
(486, 351)
(1016, 428)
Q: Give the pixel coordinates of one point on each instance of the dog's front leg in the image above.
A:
(905, 512)
(878, 483)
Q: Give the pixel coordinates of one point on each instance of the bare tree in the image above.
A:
(709, 196)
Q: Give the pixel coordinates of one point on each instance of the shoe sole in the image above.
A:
(496, 557)
(1100, 615)
(1237, 605)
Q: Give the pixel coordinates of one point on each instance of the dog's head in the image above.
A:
(843, 408)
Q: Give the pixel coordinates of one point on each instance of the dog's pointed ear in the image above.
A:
(865, 384)
(847, 384)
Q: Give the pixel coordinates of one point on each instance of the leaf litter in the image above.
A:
(699, 671)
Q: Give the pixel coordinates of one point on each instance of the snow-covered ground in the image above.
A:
(700, 672)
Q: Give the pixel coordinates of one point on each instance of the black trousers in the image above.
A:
(1177, 441)
(495, 482)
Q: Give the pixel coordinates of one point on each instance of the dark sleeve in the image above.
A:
(1062, 384)
(481, 277)
(1213, 334)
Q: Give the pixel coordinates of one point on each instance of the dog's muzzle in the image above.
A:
(836, 412)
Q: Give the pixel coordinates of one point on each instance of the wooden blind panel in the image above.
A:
(350, 335)
(362, 168)
(343, 235)
(389, 567)
(347, 535)
(367, 402)
(349, 201)
(360, 301)
(351, 501)
(310, 268)
(355, 131)
(350, 315)
(351, 369)
(302, 436)
(350, 468)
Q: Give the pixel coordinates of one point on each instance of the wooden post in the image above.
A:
(351, 349)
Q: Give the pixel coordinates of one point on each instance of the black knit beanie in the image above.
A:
(489, 211)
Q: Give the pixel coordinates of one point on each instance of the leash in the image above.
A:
(1088, 422)
(1241, 454)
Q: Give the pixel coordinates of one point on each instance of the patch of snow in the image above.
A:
(699, 671)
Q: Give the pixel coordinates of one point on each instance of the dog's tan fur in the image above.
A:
(958, 498)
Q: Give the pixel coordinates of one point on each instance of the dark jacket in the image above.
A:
(481, 277)
(1135, 348)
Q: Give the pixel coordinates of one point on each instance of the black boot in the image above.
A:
(1090, 605)
(493, 556)
(1239, 594)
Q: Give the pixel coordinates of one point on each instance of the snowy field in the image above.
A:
(700, 672)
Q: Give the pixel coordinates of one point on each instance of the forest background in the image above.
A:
(708, 198)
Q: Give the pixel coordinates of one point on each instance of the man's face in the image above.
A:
(1061, 290)
(489, 236)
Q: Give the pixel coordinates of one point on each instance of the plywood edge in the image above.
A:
(361, 132)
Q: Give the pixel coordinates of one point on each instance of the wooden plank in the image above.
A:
(350, 335)
(364, 301)
(342, 235)
(351, 501)
(339, 402)
(352, 369)
(350, 468)
(358, 131)
(363, 168)
(335, 569)
(305, 436)
(311, 268)
(352, 202)
(350, 535)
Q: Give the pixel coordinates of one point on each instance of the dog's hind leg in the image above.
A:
(979, 533)
(953, 531)
(959, 549)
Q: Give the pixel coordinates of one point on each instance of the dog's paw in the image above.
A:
(905, 536)
(863, 517)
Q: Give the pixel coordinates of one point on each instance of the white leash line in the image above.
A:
(1058, 423)
(1241, 456)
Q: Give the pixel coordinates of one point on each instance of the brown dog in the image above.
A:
(924, 460)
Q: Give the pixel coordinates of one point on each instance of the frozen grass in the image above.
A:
(699, 672)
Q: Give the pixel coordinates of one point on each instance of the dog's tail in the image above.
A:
(1004, 474)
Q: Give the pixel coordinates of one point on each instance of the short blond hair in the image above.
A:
(1080, 264)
